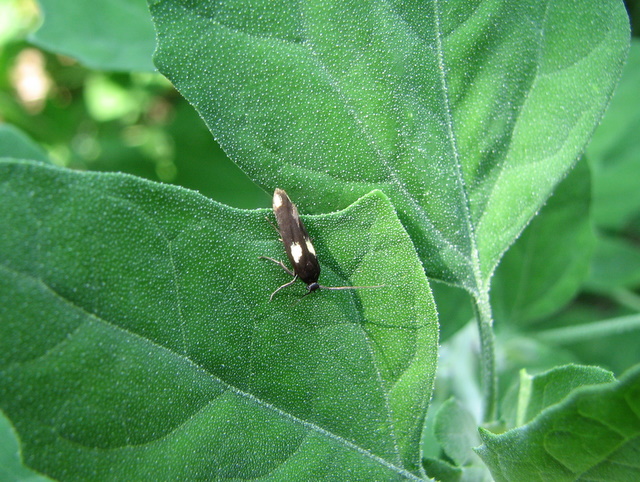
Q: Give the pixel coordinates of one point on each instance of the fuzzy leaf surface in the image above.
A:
(466, 114)
(138, 340)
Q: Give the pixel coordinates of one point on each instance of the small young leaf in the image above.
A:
(441, 471)
(591, 435)
(457, 432)
(541, 391)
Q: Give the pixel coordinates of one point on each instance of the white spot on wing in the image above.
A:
(310, 246)
(294, 213)
(296, 252)
(277, 200)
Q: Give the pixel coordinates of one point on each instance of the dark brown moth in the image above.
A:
(298, 247)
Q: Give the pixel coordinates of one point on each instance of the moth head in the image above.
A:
(313, 286)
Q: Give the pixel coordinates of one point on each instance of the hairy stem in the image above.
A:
(591, 331)
(487, 356)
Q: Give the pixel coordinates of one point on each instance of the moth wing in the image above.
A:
(295, 238)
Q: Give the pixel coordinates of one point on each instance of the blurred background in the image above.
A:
(96, 118)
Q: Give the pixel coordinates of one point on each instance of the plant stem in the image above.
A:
(590, 331)
(627, 298)
(487, 356)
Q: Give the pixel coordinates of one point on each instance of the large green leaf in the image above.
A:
(593, 434)
(11, 468)
(103, 34)
(547, 265)
(615, 152)
(466, 114)
(615, 266)
(15, 143)
(138, 341)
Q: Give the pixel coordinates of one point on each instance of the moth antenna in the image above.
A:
(349, 287)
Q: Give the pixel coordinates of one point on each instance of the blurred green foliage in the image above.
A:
(127, 122)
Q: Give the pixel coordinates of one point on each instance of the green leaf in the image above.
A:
(11, 468)
(458, 373)
(596, 333)
(615, 265)
(546, 389)
(455, 309)
(15, 143)
(441, 470)
(591, 435)
(465, 114)
(546, 267)
(457, 432)
(138, 340)
(102, 34)
(614, 152)
(202, 165)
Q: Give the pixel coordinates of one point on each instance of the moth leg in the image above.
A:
(274, 226)
(279, 263)
(295, 277)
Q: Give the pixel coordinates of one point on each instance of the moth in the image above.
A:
(298, 247)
